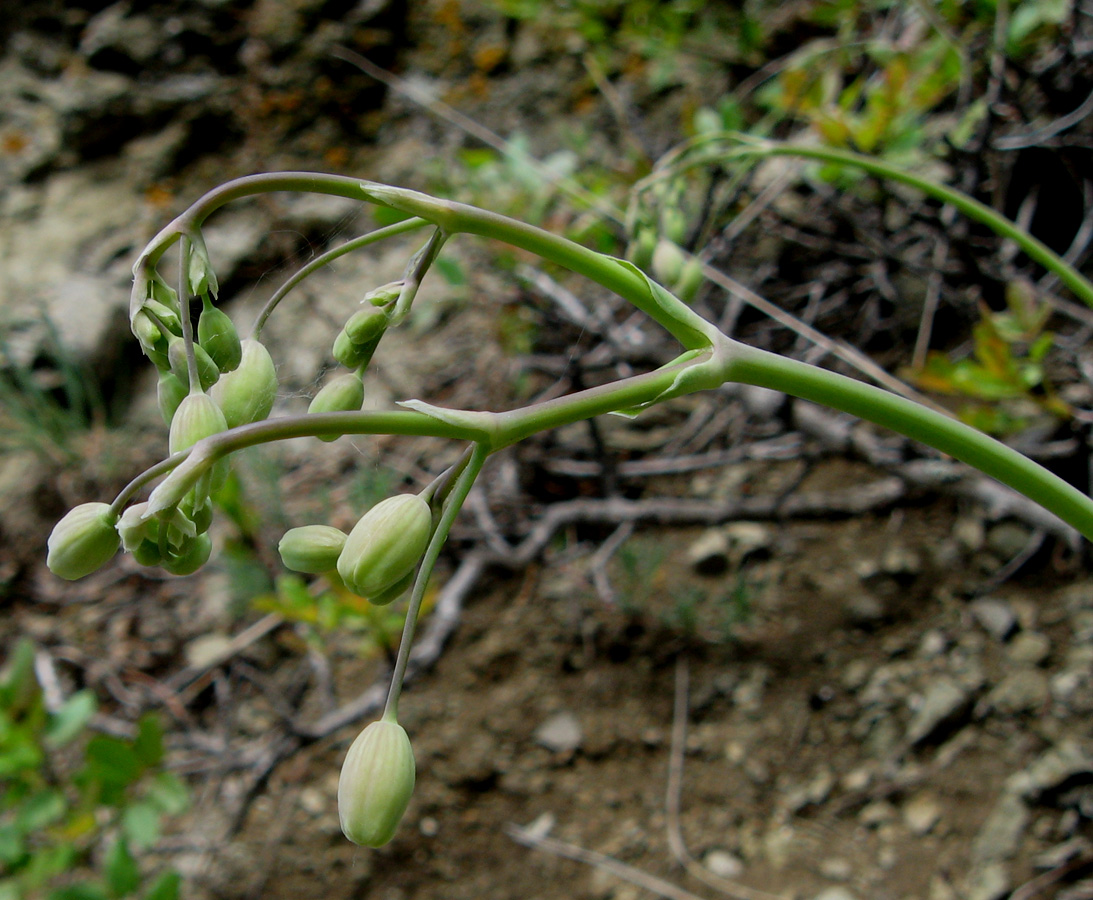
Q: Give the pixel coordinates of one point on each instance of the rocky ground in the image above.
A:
(759, 651)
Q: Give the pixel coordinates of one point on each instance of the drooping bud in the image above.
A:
(391, 594)
(640, 251)
(690, 280)
(140, 536)
(311, 549)
(191, 555)
(351, 355)
(376, 783)
(385, 544)
(385, 294)
(366, 325)
(170, 393)
(196, 418)
(207, 372)
(218, 337)
(342, 394)
(668, 262)
(246, 394)
(83, 541)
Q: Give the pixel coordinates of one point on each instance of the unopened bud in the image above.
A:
(207, 371)
(391, 594)
(376, 783)
(366, 325)
(311, 549)
(641, 248)
(191, 555)
(196, 418)
(690, 280)
(140, 535)
(170, 393)
(246, 394)
(351, 355)
(385, 294)
(385, 544)
(218, 337)
(667, 262)
(83, 541)
(342, 394)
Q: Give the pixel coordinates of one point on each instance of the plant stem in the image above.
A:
(452, 505)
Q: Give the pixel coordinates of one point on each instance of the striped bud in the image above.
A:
(376, 783)
(342, 394)
(218, 337)
(170, 392)
(246, 394)
(385, 544)
(83, 541)
(311, 549)
(196, 418)
(207, 372)
(366, 325)
(351, 355)
(190, 556)
(668, 262)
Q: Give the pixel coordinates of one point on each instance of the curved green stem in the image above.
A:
(452, 505)
(328, 257)
(759, 367)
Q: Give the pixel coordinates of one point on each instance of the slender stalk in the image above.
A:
(452, 505)
(184, 319)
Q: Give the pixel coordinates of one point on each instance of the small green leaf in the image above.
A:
(168, 794)
(148, 745)
(12, 848)
(120, 869)
(39, 811)
(85, 890)
(67, 723)
(165, 887)
(140, 824)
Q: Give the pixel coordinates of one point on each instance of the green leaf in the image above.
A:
(12, 848)
(67, 723)
(148, 745)
(85, 890)
(112, 765)
(168, 794)
(18, 683)
(140, 824)
(120, 869)
(165, 887)
(40, 810)
(9, 890)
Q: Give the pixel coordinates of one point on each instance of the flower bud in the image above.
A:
(690, 280)
(667, 262)
(83, 541)
(140, 535)
(376, 783)
(366, 325)
(385, 294)
(391, 594)
(246, 394)
(351, 355)
(191, 555)
(218, 337)
(196, 418)
(342, 394)
(207, 372)
(641, 248)
(311, 549)
(170, 392)
(385, 544)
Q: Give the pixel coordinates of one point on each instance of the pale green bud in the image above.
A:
(391, 594)
(83, 541)
(207, 371)
(196, 418)
(385, 544)
(170, 392)
(385, 294)
(351, 355)
(193, 553)
(376, 783)
(690, 280)
(641, 248)
(673, 224)
(342, 394)
(668, 262)
(246, 394)
(311, 549)
(140, 535)
(366, 325)
(218, 337)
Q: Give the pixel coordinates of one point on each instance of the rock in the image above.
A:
(836, 868)
(206, 650)
(835, 893)
(561, 733)
(942, 706)
(863, 610)
(1000, 836)
(1054, 770)
(1008, 539)
(748, 540)
(996, 617)
(723, 864)
(1029, 648)
(991, 882)
(709, 554)
(921, 813)
(1023, 691)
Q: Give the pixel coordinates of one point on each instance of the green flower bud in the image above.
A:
(366, 325)
(690, 280)
(385, 294)
(83, 541)
(217, 336)
(196, 418)
(342, 394)
(668, 262)
(167, 313)
(191, 555)
(642, 247)
(391, 594)
(246, 394)
(170, 392)
(673, 224)
(207, 372)
(385, 544)
(351, 355)
(376, 784)
(311, 549)
(140, 536)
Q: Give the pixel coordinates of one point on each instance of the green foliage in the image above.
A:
(71, 817)
(1002, 382)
